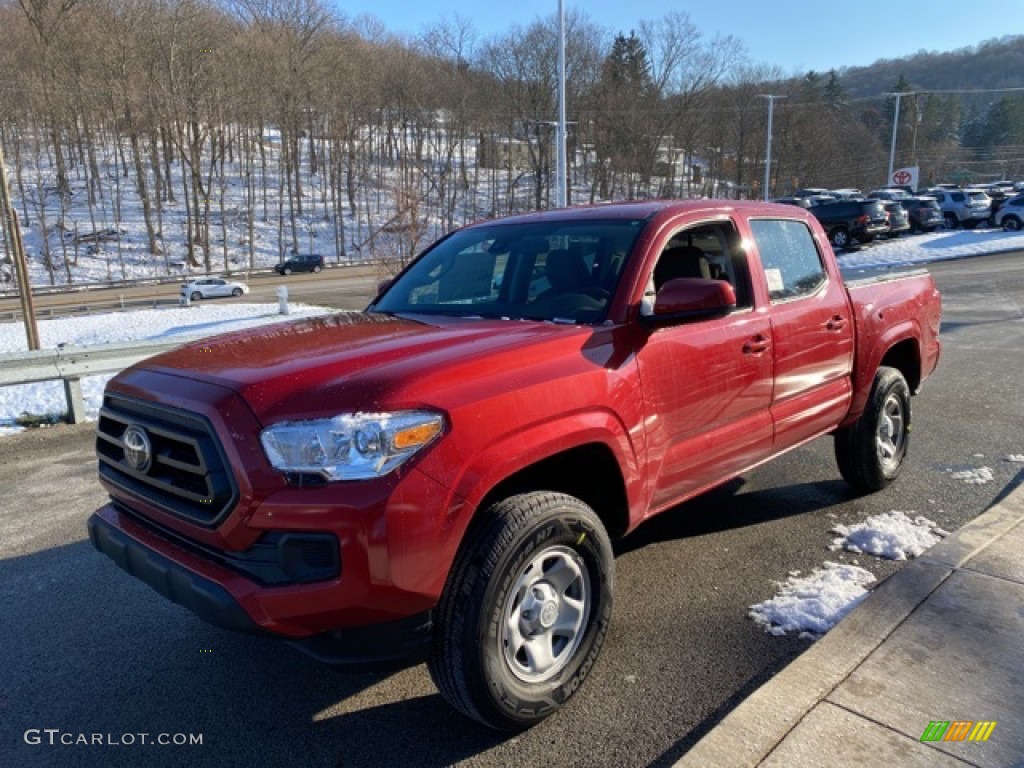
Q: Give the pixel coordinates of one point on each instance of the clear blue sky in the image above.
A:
(796, 35)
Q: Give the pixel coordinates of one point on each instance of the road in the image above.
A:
(87, 649)
(340, 287)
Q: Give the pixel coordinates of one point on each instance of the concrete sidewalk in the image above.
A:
(940, 640)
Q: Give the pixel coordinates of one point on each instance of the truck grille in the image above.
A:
(164, 456)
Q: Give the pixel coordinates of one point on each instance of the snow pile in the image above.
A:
(978, 476)
(936, 246)
(812, 605)
(893, 535)
(47, 398)
(1016, 458)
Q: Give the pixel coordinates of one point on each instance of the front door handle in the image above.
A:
(836, 323)
(756, 345)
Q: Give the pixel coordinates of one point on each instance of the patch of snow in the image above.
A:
(978, 476)
(1016, 458)
(941, 245)
(815, 603)
(893, 535)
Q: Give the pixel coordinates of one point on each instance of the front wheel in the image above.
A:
(236, 292)
(525, 611)
(870, 452)
(1011, 224)
(196, 296)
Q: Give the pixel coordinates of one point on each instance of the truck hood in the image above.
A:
(317, 367)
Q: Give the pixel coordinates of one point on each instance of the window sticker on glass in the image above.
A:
(775, 282)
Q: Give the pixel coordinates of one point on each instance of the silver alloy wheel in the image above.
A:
(892, 433)
(545, 614)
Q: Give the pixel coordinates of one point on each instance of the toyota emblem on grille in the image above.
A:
(138, 451)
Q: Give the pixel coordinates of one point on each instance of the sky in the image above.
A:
(794, 35)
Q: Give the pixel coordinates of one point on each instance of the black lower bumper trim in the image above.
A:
(203, 597)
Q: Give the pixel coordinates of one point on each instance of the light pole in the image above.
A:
(895, 126)
(562, 172)
(768, 149)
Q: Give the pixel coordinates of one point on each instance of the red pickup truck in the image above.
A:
(444, 472)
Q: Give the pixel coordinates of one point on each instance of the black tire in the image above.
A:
(871, 451)
(839, 237)
(531, 565)
(236, 292)
(316, 268)
(196, 296)
(950, 220)
(1011, 224)
(286, 271)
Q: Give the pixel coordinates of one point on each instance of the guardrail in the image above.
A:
(70, 364)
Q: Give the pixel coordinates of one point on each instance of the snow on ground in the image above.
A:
(978, 476)
(813, 604)
(47, 398)
(942, 245)
(893, 535)
(1016, 458)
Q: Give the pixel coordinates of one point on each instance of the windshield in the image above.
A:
(562, 271)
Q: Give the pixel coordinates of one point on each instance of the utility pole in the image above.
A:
(12, 235)
(562, 173)
(768, 149)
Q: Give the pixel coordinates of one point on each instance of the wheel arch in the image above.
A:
(588, 472)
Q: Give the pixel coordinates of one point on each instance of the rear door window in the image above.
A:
(792, 264)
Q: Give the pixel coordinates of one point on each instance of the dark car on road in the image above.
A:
(848, 220)
(305, 262)
(924, 212)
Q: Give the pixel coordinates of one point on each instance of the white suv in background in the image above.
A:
(962, 207)
(211, 287)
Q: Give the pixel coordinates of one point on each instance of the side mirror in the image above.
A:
(690, 298)
(383, 285)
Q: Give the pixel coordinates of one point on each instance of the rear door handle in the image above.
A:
(756, 345)
(836, 323)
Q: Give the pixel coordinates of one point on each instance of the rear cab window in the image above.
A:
(793, 267)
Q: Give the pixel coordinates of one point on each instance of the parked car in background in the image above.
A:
(810, 192)
(848, 220)
(800, 202)
(847, 193)
(962, 207)
(212, 287)
(888, 194)
(899, 221)
(924, 213)
(303, 262)
(1011, 216)
(997, 195)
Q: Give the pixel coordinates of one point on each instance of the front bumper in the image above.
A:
(212, 601)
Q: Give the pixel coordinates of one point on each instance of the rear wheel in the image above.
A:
(870, 452)
(1011, 223)
(236, 292)
(316, 268)
(839, 237)
(286, 271)
(196, 296)
(525, 611)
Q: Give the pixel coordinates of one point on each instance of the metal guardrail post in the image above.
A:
(73, 397)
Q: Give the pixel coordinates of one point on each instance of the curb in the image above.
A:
(748, 734)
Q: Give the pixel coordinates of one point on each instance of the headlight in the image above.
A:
(351, 446)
